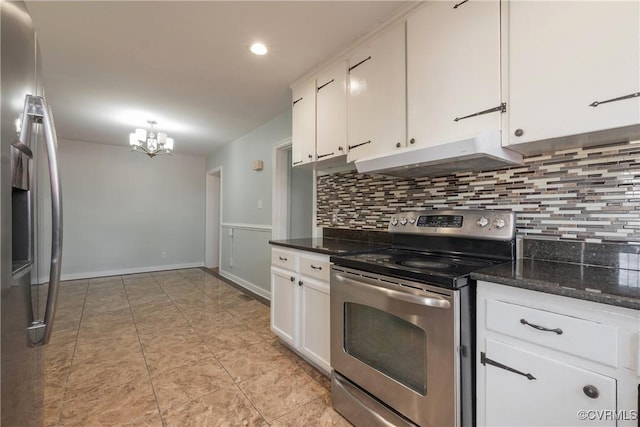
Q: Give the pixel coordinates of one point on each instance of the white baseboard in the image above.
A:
(245, 284)
(149, 269)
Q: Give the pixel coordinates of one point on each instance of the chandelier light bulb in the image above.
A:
(162, 138)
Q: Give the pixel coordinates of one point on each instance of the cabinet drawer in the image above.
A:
(583, 338)
(314, 267)
(284, 259)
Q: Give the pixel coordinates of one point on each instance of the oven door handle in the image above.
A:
(427, 299)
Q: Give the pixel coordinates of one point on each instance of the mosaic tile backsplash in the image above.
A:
(590, 195)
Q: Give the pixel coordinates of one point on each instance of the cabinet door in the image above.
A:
(564, 55)
(314, 340)
(283, 304)
(554, 398)
(303, 123)
(331, 111)
(377, 98)
(453, 71)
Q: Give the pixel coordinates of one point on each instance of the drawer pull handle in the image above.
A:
(541, 328)
(293, 279)
(591, 391)
(282, 258)
(300, 283)
(316, 268)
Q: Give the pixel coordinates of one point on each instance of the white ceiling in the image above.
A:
(110, 66)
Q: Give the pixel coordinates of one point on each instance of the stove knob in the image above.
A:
(394, 221)
(499, 223)
(412, 220)
(403, 221)
(482, 222)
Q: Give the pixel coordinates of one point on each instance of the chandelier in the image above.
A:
(150, 143)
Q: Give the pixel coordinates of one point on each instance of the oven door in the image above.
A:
(398, 341)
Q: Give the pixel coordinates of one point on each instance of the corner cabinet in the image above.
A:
(319, 116)
(453, 71)
(377, 93)
(300, 303)
(551, 360)
(303, 120)
(571, 68)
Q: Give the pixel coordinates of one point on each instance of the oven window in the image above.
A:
(388, 344)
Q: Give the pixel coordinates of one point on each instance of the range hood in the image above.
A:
(482, 152)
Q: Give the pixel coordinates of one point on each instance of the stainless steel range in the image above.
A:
(402, 319)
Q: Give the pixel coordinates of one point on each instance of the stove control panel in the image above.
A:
(482, 224)
(441, 221)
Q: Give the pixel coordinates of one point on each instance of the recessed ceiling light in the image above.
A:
(258, 49)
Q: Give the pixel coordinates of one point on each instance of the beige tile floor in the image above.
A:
(176, 348)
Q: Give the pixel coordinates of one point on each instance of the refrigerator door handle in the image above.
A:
(41, 330)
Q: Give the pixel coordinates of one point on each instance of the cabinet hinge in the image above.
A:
(485, 360)
(460, 4)
(359, 63)
(620, 98)
(501, 108)
(351, 147)
(320, 87)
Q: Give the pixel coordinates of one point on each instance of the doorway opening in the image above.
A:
(293, 197)
(213, 216)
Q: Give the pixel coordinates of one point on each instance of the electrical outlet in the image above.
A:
(259, 204)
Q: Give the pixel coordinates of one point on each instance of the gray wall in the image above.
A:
(241, 189)
(246, 255)
(122, 210)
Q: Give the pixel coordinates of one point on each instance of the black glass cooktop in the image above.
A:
(446, 270)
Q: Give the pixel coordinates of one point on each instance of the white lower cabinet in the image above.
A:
(283, 304)
(552, 396)
(314, 318)
(548, 360)
(300, 303)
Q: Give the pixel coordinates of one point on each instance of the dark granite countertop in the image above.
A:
(605, 285)
(330, 246)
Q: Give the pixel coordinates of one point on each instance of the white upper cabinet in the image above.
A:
(564, 61)
(331, 111)
(376, 100)
(303, 119)
(453, 71)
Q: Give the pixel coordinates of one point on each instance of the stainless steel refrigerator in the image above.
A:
(27, 147)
